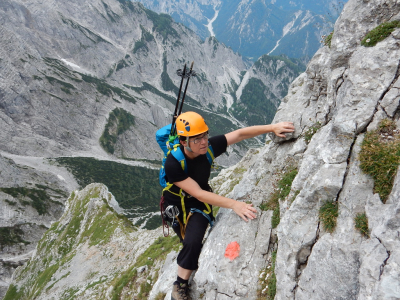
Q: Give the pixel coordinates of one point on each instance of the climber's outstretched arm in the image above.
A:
(249, 132)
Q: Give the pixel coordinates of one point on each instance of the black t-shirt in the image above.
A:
(199, 170)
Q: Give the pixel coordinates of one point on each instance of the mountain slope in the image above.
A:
(90, 239)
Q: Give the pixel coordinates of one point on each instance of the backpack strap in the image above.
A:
(180, 157)
(210, 154)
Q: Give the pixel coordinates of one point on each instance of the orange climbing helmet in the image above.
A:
(190, 124)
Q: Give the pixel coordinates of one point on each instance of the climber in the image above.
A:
(191, 193)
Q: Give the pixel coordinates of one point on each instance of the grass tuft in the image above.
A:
(379, 33)
(280, 193)
(267, 280)
(160, 296)
(328, 214)
(327, 40)
(311, 131)
(380, 157)
(361, 224)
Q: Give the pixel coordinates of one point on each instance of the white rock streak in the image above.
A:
(286, 30)
(76, 67)
(209, 25)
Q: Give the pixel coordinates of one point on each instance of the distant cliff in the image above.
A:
(68, 69)
(253, 27)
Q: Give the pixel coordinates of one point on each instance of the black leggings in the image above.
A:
(193, 242)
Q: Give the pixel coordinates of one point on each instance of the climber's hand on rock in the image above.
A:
(283, 127)
(244, 210)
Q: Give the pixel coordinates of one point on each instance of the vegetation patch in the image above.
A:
(12, 203)
(148, 87)
(215, 210)
(126, 279)
(113, 17)
(118, 122)
(65, 86)
(153, 221)
(311, 131)
(39, 198)
(156, 252)
(294, 64)
(166, 81)
(60, 66)
(160, 296)
(103, 226)
(104, 88)
(132, 186)
(54, 96)
(267, 280)
(10, 236)
(69, 293)
(380, 157)
(95, 38)
(127, 4)
(296, 193)
(379, 33)
(147, 37)
(281, 191)
(121, 64)
(234, 178)
(327, 39)
(254, 107)
(57, 246)
(328, 214)
(361, 224)
(42, 279)
(162, 23)
(13, 293)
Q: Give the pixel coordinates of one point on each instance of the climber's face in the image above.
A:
(198, 144)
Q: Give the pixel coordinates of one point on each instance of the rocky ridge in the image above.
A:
(90, 239)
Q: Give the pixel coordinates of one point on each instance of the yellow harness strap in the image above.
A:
(182, 196)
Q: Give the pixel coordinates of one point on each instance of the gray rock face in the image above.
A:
(346, 90)
(221, 278)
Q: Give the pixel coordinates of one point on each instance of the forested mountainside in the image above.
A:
(328, 196)
(83, 88)
(254, 28)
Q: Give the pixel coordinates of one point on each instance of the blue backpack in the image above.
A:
(170, 144)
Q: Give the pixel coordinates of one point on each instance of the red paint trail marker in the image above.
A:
(232, 250)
